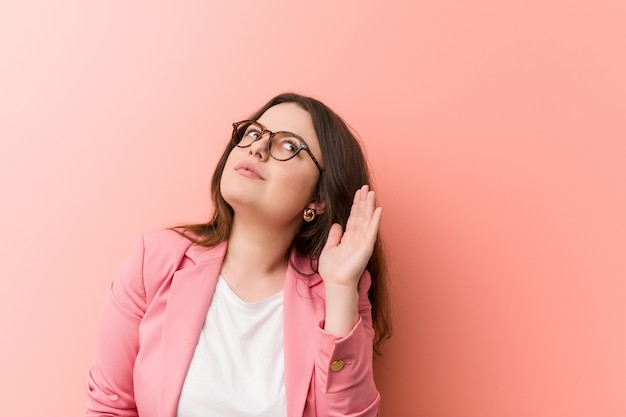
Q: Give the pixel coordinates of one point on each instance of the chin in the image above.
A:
(237, 197)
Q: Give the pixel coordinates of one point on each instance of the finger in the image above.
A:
(354, 209)
(375, 222)
(360, 194)
(365, 188)
(370, 233)
(357, 195)
(334, 236)
(367, 206)
(374, 213)
(370, 203)
(362, 208)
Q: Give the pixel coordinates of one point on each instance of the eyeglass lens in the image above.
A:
(282, 145)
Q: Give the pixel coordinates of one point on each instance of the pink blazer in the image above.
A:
(153, 315)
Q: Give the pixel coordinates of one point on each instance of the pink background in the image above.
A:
(496, 131)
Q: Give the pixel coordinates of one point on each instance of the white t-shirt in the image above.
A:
(238, 367)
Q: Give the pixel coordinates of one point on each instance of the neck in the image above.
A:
(256, 249)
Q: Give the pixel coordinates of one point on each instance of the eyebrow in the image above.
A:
(283, 131)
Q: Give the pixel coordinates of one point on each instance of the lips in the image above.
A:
(249, 170)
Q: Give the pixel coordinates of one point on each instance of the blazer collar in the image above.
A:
(200, 254)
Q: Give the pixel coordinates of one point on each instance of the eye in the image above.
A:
(253, 132)
(290, 144)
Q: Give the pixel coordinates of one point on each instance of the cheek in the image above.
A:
(305, 185)
(228, 171)
(229, 160)
(232, 159)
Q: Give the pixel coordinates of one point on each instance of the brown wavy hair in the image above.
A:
(345, 171)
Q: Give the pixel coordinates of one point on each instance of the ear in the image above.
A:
(318, 206)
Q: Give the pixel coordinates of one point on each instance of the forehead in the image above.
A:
(289, 117)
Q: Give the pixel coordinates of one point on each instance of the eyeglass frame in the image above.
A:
(303, 146)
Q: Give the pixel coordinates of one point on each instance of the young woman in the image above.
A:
(274, 307)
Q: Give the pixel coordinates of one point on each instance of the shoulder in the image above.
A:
(161, 250)
(155, 258)
(165, 240)
(158, 244)
(169, 247)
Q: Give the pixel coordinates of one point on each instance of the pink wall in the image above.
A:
(496, 130)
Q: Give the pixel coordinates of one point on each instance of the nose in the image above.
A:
(261, 146)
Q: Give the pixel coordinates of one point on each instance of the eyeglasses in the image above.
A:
(281, 146)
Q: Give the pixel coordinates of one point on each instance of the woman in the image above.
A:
(270, 309)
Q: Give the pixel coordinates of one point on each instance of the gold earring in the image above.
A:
(309, 215)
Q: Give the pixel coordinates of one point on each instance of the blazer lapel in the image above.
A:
(187, 306)
(303, 311)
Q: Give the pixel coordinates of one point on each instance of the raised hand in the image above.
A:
(347, 253)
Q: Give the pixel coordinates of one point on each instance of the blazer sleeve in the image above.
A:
(347, 388)
(110, 381)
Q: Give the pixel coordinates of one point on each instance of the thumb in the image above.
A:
(334, 236)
